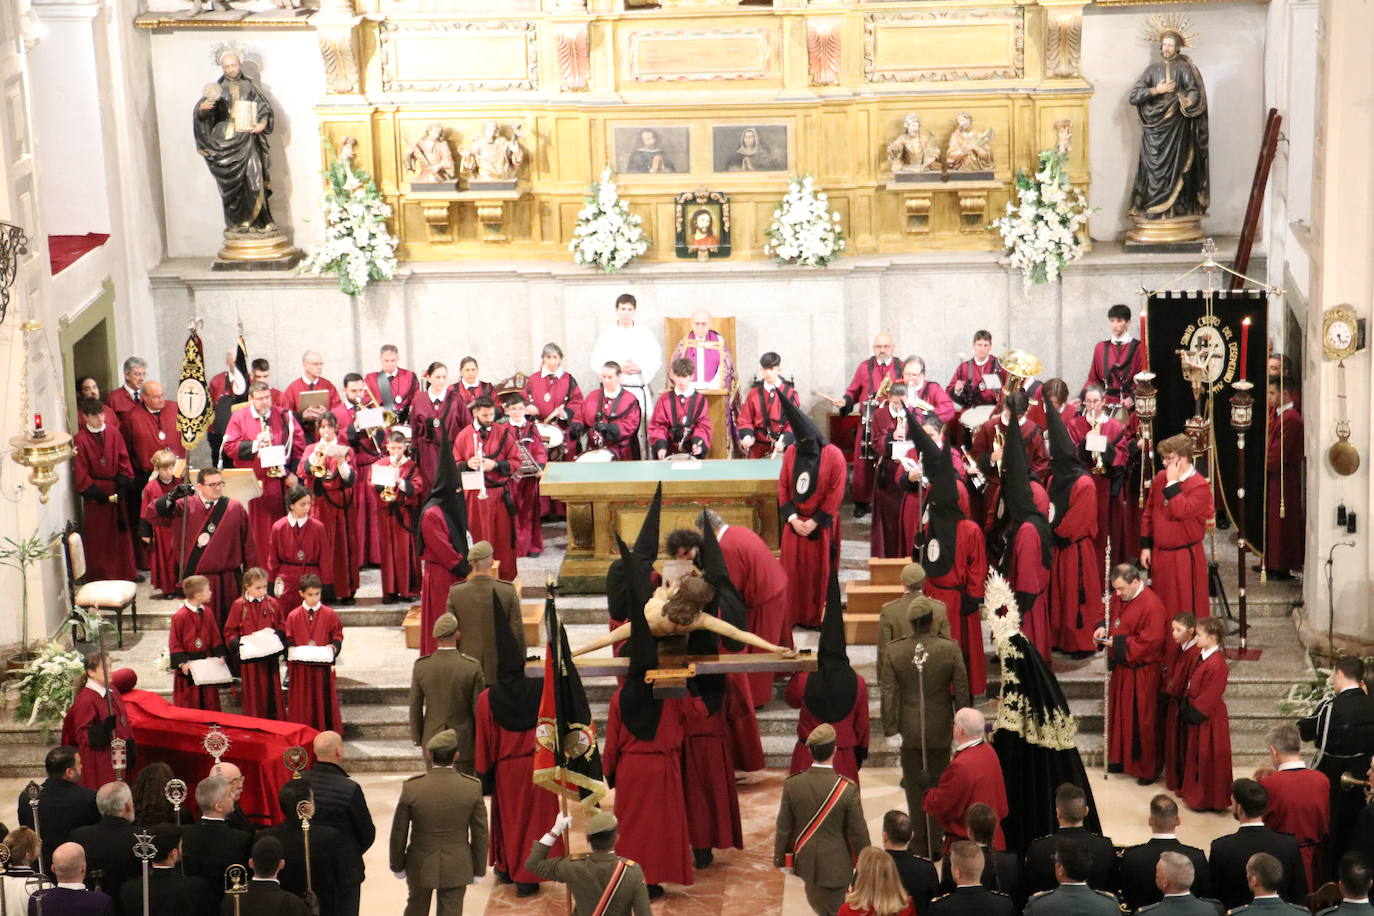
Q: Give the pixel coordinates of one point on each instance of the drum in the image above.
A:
(975, 417)
(596, 455)
(553, 440)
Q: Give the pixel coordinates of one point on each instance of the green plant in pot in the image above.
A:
(21, 555)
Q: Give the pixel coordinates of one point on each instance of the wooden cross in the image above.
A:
(670, 677)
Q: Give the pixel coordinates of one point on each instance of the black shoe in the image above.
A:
(139, 577)
(860, 510)
(1279, 575)
(1142, 781)
(405, 599)
(390, 598)
(346, 602)
(502, 877)
(523, 889)
(655, 891)
(702, 858)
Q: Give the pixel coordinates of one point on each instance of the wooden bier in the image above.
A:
(717, 399)
(670, 677)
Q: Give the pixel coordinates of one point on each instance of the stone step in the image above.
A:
(371, 612)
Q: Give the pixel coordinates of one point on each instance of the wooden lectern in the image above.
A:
(717, 399)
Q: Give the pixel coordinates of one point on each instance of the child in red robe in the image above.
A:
(156, 530)
(312, 697)
(611, 416)
(763, 430)
(681, 422)
(328, 469)
(97, 716)
(1207, 729)
(1173, 680)
(255, 610)
(297, 546)
(399, 506)
(194, 634)
(524, 488)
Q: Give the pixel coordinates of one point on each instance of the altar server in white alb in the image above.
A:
(638, 353)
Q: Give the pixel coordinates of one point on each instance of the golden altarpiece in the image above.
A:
(680, 94)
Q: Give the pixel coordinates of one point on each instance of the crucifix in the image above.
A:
(670, 678)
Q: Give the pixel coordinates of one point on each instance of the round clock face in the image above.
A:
(192, 399)
(1339, 335)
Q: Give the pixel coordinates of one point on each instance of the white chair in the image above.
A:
(102, 594)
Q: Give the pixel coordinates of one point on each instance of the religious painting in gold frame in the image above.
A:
(749, 148)
(652, 149)
(702, 224)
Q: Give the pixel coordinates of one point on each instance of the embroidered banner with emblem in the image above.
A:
(566, 759)
(193, 392)
(817, 819)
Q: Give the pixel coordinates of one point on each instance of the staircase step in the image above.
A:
(885, 571)
(867, 598)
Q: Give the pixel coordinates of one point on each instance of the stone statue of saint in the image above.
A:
(232, 122)
(430, 157)
(914, 150)
(1172, 177)
(493, 157)
(968, 150)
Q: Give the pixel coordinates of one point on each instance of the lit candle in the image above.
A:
(38, 422)
(1144, 343)
(1244, 345)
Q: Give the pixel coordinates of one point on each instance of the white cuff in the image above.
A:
(549, 840)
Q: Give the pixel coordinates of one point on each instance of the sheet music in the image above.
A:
(385, 475)
(369, 418)
(272, 456)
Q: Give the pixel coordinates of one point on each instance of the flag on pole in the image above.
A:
(236, 388)
(567, 760)
(193, 392)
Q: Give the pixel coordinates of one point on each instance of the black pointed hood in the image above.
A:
(833, 687)
(728, 604)
(1065, 466)
(645, 551)
(447, 493)
(806, 454)
(514, 698)
(639, 710)
(942, 513)
(1017, 495)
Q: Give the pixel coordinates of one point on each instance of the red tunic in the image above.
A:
(146, 432)
(292, 397)
(851, 732)
(973, 775)
(806, 561)
(1285, 517)
(972, 375)
(193, 635)
(708, 781)
(313, 698)
(761, 417)
(520, 813)
(334, 504)
(529, 536)
(1114, 367)
(649, 798)
(481, 389)
(621, 415)
(1038, 460)
(680, 425)
(1174, 681)
(237, 451)
(1172, 526)
(121, 401)
(1112, 495)
(966, 578)
(1300, 804)
(1139, 631)
(368, 448)
(228, 550)
(99, 468)
(400, 567)
(1207, 746)
(88, 708)
(761, 581)
(1029, 575)
(162, 553)
(431, 422)
(439, 559)
(559, 402)
(1076, 585)
(404, 386)
(868, 377)
(936, 397)
(742, 725)
(492, 519)
(262, 696)
(293, 551)
(885, 534)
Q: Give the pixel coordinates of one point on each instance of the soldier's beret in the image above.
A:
(821, 734)
(443, 743)
(913, 574)
(922, 607)
(480, 551)
(600, 822)
(445, 626)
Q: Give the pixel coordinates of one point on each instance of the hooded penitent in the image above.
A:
(514, 698)
(645, 551)
(1017, 496)
(833, 687)
(727, 604)
(447, 493)
(942, 505)
(806, 457)
(639, 710)
(1065, 468)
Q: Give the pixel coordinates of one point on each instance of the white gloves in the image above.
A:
(562, 823)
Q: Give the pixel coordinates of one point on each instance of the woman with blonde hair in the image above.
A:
(22, 844)
(877, 890)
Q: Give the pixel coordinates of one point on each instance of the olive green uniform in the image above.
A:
(586, 876)
(439, 838)
(443, 694)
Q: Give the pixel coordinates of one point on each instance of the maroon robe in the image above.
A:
(973, 775)
(524, 491)
(966, 578)
(228, 550)
(368, 448)
(649, 797)
(431, 423)
(1076, 583)
(851, 732)
(708, 782)
(761, 581)
(335, 505)
(559, 402)
(193, 635)
(972, 375)
(936, 397)
(868, 377)
(292, 397)
(404, 385)
(742, 724)
(481, 389)
(1139, 630)
(162, 552)
(262, 695)
(439, 560)
(621, 414)
(1172, 526)
(520, 813)
(914, 496)
(1114, 368)
(121, 401)
(1112, 496)
(90, 708)
(313, 697)
(1174, 681)
(237, 451)
(146, 432)
(1285, 516)
(885, 534)
(400, 566)
(294, 552)
(680, 425)
(492, 519)
(761, 417)
(1037, 459)
(1207, 745)
(1300, 804)
(100, 468)
(806, 561)
(1027, 574)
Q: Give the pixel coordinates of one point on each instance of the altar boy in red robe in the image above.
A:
(1207, 729)
(400, 508)
(328, 469)
(1176, 517)
(101, 471)
(490, 511)
(810, 490)
(1076, 580)
(1134, 639)
(1285, 537)
(313, 697)
(297, 546)
(194, 634)
(611, 416)
(1173, 682)
(256, 610)
(681, 423)
(96, 717)
(524, 490)
(763, 428)
(157, 531)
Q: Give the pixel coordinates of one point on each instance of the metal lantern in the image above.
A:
(37, 448)
(1242, 406)
(1146, 396)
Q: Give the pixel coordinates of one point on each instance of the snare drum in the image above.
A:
(596, 456)
(974, 417)
(552, 437)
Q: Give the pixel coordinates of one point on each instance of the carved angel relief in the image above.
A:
(574, 59)
(823, 50)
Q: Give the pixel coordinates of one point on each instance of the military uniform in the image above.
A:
(893, 622)
(974, 900)
(471, 603)
(439, 835)
(1269, 906)
(1072, 900)
(586, 877)
(1351, 907)
(443, 694)
(1182, 905)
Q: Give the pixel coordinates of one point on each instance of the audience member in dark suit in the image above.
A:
(339, 804)
(109, 843)
(210, 845)
(1229, 854)
(70, 897)
(1342, 730)
(1138, 867)
(1174, 876)
(917, 874)
(324, 849)
(1070, 809)
(1264, 875)
(1354, 872)
(1001, 870)
(169, 892)
(63, 803)
(265, 896)
(236, 817)
(970, 896)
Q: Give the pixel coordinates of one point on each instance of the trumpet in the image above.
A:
(317, 464)
(387, 495)
(278, 471)
(1351, 781)
(975, 476)
(389, 417)
(481, 460)
(1098, 467)
(999, 445)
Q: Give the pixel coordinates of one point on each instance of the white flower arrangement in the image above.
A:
(1043, 223)
(607, 234)
(805, 231)
(47, 684)
(357, 247)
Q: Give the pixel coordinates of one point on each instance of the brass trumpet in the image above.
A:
(278, 471)
(317, 465)
(389, 418)
(387, 495)
(1021, 366)
(1098, 467)
(1351, 781)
